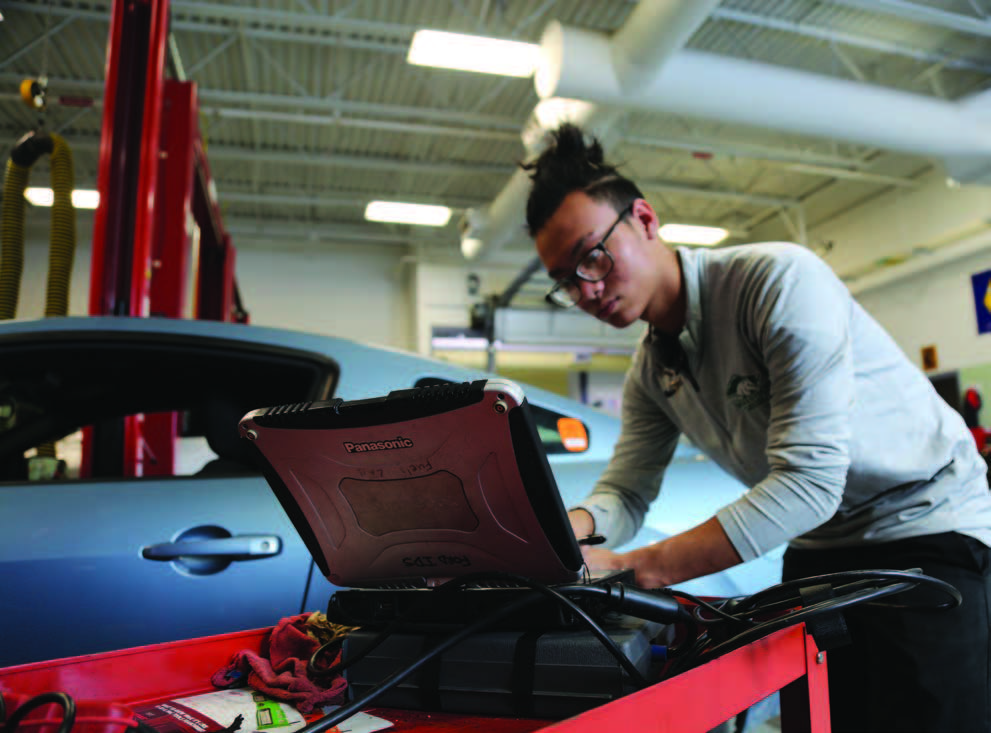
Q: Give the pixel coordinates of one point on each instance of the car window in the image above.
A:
(559, 433)
(73, 394)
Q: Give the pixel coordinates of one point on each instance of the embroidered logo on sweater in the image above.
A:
(670, 382)
(748, 392)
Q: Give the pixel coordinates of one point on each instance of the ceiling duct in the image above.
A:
(577, 63)
(653, 32)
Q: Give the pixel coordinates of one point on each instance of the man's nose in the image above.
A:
(591, 291)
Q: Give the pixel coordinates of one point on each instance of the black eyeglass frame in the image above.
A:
(573, 279)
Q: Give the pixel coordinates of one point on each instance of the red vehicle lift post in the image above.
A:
(154, 183)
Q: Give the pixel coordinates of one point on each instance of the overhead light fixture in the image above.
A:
(473, 53)
(393, 212)
(691, 234)
(81, 198)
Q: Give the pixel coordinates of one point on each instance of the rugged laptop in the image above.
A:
(419, 486)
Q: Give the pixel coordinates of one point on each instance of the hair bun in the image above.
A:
(570, 156)
(572, 162)
(568, 142)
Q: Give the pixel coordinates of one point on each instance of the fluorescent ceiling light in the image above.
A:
(399, 213)
(473, 53)
(689, 234)
(81, 198)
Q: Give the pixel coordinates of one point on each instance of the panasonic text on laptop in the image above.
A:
(418, 486)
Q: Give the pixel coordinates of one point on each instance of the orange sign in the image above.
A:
(574, 437)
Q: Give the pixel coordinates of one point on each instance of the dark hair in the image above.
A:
(570, 164)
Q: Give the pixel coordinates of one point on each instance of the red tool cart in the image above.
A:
(697, 700)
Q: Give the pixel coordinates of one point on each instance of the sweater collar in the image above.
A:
(690, 336)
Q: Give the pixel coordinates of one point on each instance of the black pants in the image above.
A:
(911, 670)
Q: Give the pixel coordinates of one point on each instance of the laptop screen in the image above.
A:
(418, 486)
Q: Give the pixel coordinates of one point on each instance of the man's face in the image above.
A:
(633, 289)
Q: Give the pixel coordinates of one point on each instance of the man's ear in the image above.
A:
(646, 217)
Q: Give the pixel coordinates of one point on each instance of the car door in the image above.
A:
(108, 561)
(86, 564)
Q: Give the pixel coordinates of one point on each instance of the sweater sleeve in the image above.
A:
(631, 481)
(797, 315)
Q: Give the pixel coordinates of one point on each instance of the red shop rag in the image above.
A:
(280, 669)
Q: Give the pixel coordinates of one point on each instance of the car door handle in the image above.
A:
(242, 547)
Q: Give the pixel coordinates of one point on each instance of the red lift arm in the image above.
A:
(154, 181)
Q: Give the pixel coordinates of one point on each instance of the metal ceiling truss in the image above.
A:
(247, 26)
(316, 28)
(924, 14)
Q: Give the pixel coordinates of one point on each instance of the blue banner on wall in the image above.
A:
(982, 300)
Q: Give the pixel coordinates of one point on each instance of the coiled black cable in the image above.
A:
(67, 704)
(780, 602)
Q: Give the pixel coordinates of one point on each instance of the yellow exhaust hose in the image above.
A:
(12, 238)
(62, 238)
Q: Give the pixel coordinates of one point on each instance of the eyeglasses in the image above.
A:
(594, 266)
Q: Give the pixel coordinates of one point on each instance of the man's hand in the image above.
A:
(598, 558)
(699, 551)
(582, 523)
(645, 563)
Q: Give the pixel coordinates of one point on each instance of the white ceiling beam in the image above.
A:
(259, 23)
(310, 198)
(288, 232)
(851, 175)
(192, 16)
(362, 123)
(207, 97)
(238, 13)
(742, 197)
(921, 14)
(832, 35)
(753, 151)
(43, 38)
(321, 158)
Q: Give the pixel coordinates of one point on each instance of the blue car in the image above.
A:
(108, 562)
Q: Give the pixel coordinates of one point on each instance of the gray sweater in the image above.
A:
(789, 385)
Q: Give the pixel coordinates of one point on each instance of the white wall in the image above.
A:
(358, 292)
(935, 307)
(934, 304)
(354, 291)
(903, 220)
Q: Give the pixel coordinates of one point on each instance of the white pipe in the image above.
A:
(978, 104)
(576, 63)
(654, 30)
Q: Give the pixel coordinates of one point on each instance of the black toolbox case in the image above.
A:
(545, 674)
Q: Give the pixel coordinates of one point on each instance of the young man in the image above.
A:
(761, 357)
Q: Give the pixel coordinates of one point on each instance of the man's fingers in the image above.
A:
(598, 558)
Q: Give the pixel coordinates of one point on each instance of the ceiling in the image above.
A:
(310, 110)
